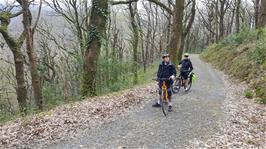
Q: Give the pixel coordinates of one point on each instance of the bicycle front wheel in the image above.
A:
(165, 106)
(189, 84)
(177, 85)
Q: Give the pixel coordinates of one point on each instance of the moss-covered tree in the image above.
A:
(97, 29)
(15, 45)
(29, 30)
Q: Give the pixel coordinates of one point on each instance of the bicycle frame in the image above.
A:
(179, 82)
(164, 98)
(164, 90)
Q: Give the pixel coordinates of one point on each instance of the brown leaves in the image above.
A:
(67, 120)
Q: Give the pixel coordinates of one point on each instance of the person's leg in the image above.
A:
(158, 103)
(186, 81)
(170, 100)
(183, 76)
(169, 90)
(160, 96)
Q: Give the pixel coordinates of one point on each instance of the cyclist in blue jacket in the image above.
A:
(166, 70)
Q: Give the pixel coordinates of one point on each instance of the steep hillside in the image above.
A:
(242, 56)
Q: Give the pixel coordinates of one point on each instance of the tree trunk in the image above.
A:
(238, 16)
(221, 19)
(186, 31)
(147, 38)
(142, 44)
(97, 29)
(230, 23)
(27, 22)
(188, 41)
(20, 78)
(153, 40)
(177, 31)
(169, 27)
(132, 10)
(262, 14)
(257, 3)
(15, 47)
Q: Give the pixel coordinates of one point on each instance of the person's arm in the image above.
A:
(191, 66)
(180, 64)
(174, 70)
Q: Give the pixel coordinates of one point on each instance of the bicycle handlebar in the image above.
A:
(162, 79)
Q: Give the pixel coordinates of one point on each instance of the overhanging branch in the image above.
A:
(157, 2)
(162, 5)
(123, 2)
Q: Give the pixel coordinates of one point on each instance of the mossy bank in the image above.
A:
(242, 56)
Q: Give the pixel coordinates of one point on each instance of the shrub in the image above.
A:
(248, 94)
(259, 54)
(244, 35)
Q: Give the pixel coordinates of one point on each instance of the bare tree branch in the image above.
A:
(38, 17)
(122, 2)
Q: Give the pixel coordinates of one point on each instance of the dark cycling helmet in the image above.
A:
(165, 55)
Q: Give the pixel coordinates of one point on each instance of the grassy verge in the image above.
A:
(242, 56)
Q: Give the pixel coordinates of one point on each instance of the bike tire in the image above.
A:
(177, 86)
(189, 84)
(165, 106)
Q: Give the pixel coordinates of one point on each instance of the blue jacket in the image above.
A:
(166, 71)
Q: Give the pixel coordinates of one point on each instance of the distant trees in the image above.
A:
(220, 18)
(76, 13)
(15, 45)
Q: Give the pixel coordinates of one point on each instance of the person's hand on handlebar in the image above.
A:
(172, 77)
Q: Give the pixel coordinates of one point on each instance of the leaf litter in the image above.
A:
(67, 121)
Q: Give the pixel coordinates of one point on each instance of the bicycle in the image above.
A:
(179, 83)
(164, 96)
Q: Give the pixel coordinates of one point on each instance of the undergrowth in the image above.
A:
(243, 56)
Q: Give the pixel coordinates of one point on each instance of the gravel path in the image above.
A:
(244, 125)
(195, 115)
